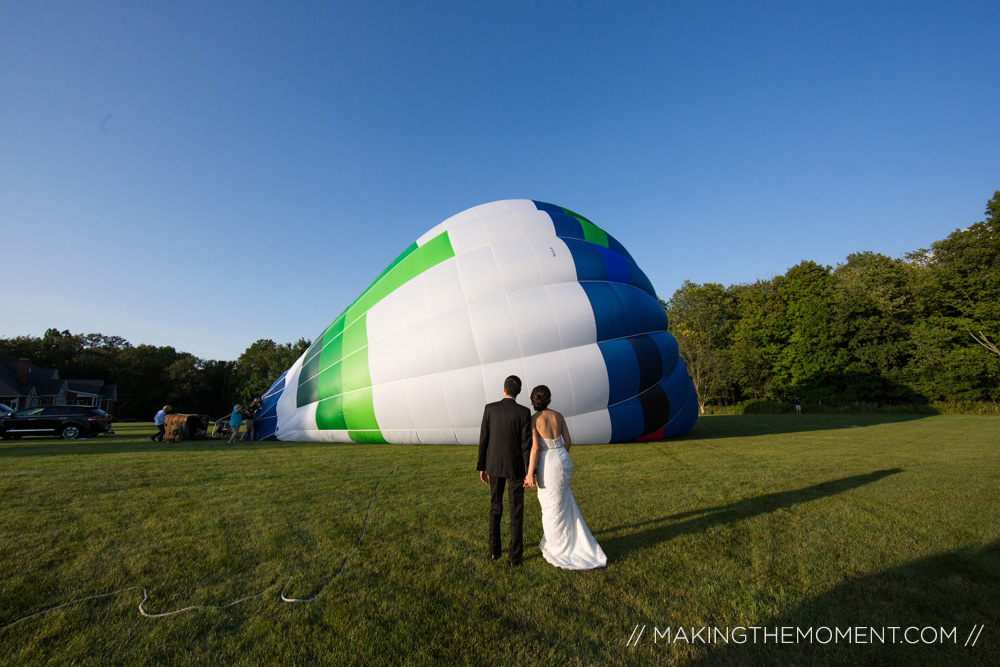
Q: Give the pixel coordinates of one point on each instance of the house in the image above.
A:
(25, 385)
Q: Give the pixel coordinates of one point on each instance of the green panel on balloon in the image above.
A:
(432, 253)
(339, 369)
(359, 411)
(592, 232)
(330, 414)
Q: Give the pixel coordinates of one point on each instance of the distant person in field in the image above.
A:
(235, 421)
(798, 406)
(160, 422)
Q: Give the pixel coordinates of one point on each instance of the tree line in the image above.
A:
(148, 376)
(873, 330)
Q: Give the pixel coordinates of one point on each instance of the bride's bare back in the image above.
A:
(550, 425)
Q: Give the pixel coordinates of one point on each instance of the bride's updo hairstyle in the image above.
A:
(540, 397)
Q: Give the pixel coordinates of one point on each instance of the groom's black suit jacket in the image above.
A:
(505, 439)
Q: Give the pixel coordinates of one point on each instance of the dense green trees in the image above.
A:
(874, 329)
(148, 377)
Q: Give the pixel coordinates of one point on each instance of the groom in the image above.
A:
(504, 447)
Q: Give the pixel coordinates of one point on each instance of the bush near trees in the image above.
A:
(874, 331)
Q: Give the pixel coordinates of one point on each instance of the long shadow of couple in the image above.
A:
(643, 534)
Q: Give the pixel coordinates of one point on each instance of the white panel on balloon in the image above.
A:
(467, 235)
(435, 437)
(479, 275)
(493, 329)
(433, 232)
(517, 264)
(442, 288)
(534, 321)
(591, 428)
(425, 400)
(303, 419)
(460, 218)
(381, 319)
(550, 370)
(504, 206)
(392, 411)
(287, 402)
(536, 223)
(465, 396)
(453, 340)
(417, 351)
(574, 314)
(501, 227)
(554, 260)
(494, 376)
(588, 378)
(384, 363)
(410, 302)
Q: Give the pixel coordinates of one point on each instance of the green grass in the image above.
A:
(764, 520)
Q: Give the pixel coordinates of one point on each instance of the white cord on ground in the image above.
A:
(66, 604)
(344, 564)
(192, 608)
(145, 596)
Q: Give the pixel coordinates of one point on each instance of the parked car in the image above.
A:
(68, 421)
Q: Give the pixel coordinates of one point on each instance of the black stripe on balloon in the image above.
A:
(647, 353)
(655, 409)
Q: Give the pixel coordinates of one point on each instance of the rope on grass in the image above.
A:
(193, 607)
(71, 602)
(145, 595)
(344, 564)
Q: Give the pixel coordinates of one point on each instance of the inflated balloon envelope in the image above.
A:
(515, 287)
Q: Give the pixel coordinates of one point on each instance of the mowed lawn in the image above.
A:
(785, 521)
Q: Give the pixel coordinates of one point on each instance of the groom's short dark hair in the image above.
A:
(512, 386)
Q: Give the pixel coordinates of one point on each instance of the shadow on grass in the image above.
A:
(954, 594)
(649, 533)
(118, 445)
(710, 427)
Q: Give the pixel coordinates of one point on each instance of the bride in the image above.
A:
(567, 542)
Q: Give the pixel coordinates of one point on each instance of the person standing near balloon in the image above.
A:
(235, 421)
(504, 445)
(160, 422)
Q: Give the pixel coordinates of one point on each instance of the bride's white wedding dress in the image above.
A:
(567, 541)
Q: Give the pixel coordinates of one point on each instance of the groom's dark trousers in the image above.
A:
(504, 448)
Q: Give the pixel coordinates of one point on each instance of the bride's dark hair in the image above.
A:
(540, 397)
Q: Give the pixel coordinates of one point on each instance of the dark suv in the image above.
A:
(69, 421)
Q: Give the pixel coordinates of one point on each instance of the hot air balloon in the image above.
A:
(514, 287)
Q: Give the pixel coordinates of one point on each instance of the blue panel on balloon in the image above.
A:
(677, 384)
(618, 247)
(623, 310)
(617, 266)
(683, 419)
(668, 351)
(590, 265)
(639, 279)
(627, 420)
(267, 420)
(567, 227)
(623, 370)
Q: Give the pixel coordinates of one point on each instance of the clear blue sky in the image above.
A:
(262, 162)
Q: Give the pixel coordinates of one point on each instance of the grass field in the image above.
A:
(808, 522)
